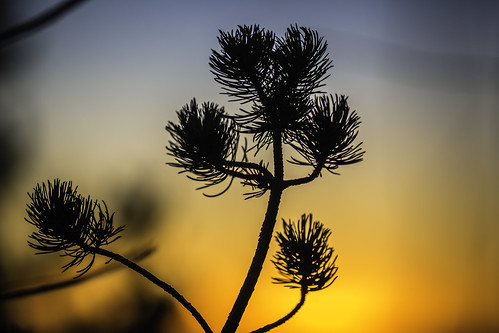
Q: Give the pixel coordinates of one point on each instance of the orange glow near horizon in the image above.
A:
(389, 279)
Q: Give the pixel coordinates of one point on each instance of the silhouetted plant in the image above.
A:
(77, 226)
(305, 260)
(278, 81)
(327, 135)
(69, 223)
(203, 141)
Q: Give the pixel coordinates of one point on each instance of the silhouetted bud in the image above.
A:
(327, 134)
(69, 223)
(277, 76)
(244, 64)
(203, 140)
(305, 260)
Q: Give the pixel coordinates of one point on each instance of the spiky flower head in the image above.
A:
(327, 135)
(69, 223)
(276, 75)
(202, 141)
(305, 260)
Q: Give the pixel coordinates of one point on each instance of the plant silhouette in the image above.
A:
(278, 81)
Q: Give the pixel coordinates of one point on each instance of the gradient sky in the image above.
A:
(415, 224)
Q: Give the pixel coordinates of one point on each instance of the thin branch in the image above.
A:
(249, 165)
(163, 285)
(257, 180)
(68, 283)
(304, 180)
(241, 175)
(15, 33)
(281, 321)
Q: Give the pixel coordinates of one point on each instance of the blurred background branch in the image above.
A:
(23, 292)
(49, 16)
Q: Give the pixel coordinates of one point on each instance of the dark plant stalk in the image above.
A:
(264, 239)
(163, 285)
(281, 321)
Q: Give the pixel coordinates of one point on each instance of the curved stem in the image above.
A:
(281, 321)
(163, 285)
(304, 180)
(245, 176)
(264, 239)
(249, 165)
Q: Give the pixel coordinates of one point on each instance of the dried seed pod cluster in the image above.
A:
(69, 223)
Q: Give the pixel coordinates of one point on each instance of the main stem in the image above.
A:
(163, 285)
(264, 239)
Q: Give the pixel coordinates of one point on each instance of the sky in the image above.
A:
(415, 225)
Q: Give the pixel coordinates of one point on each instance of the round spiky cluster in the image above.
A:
(278, 80)
(327, 135)
(68, 222)
(203, 140)
(305, 260)
(276, 75)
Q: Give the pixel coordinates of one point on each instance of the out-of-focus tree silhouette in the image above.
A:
(14, 138)
(12, 143)
(17, 142)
